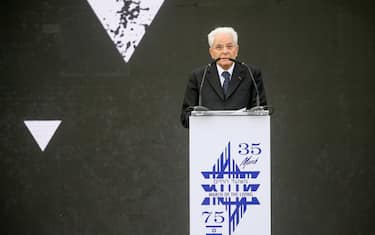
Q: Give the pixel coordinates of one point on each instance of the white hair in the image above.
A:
(213, 33)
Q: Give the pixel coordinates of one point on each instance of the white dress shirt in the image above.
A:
(220, 70)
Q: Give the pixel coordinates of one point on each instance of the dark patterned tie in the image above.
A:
(226, 76)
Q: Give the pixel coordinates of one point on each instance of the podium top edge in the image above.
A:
(231, 113)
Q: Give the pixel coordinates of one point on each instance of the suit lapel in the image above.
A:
(214, 81)
(235, 80)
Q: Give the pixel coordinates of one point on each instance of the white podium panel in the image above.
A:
(230, 190)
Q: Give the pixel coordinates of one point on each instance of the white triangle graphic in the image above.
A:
(126, 21)
(42, 131)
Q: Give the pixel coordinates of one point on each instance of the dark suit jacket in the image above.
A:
(241, 90)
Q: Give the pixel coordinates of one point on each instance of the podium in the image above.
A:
(230, 173)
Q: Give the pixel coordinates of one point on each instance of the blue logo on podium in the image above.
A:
(229, 188)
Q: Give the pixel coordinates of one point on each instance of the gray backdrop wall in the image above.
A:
(118, 162)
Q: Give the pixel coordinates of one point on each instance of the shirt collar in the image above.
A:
(220, 70)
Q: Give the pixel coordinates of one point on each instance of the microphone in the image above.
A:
(200, 107)
(202, 82)
(257, 107)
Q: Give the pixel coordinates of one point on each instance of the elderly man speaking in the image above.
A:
(224, 84)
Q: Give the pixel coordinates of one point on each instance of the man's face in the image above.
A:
(224, 47)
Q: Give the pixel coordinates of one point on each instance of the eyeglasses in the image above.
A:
(221, 47)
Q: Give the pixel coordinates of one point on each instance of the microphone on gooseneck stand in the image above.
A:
(257, 107)
(201, 84)
(200, 107)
